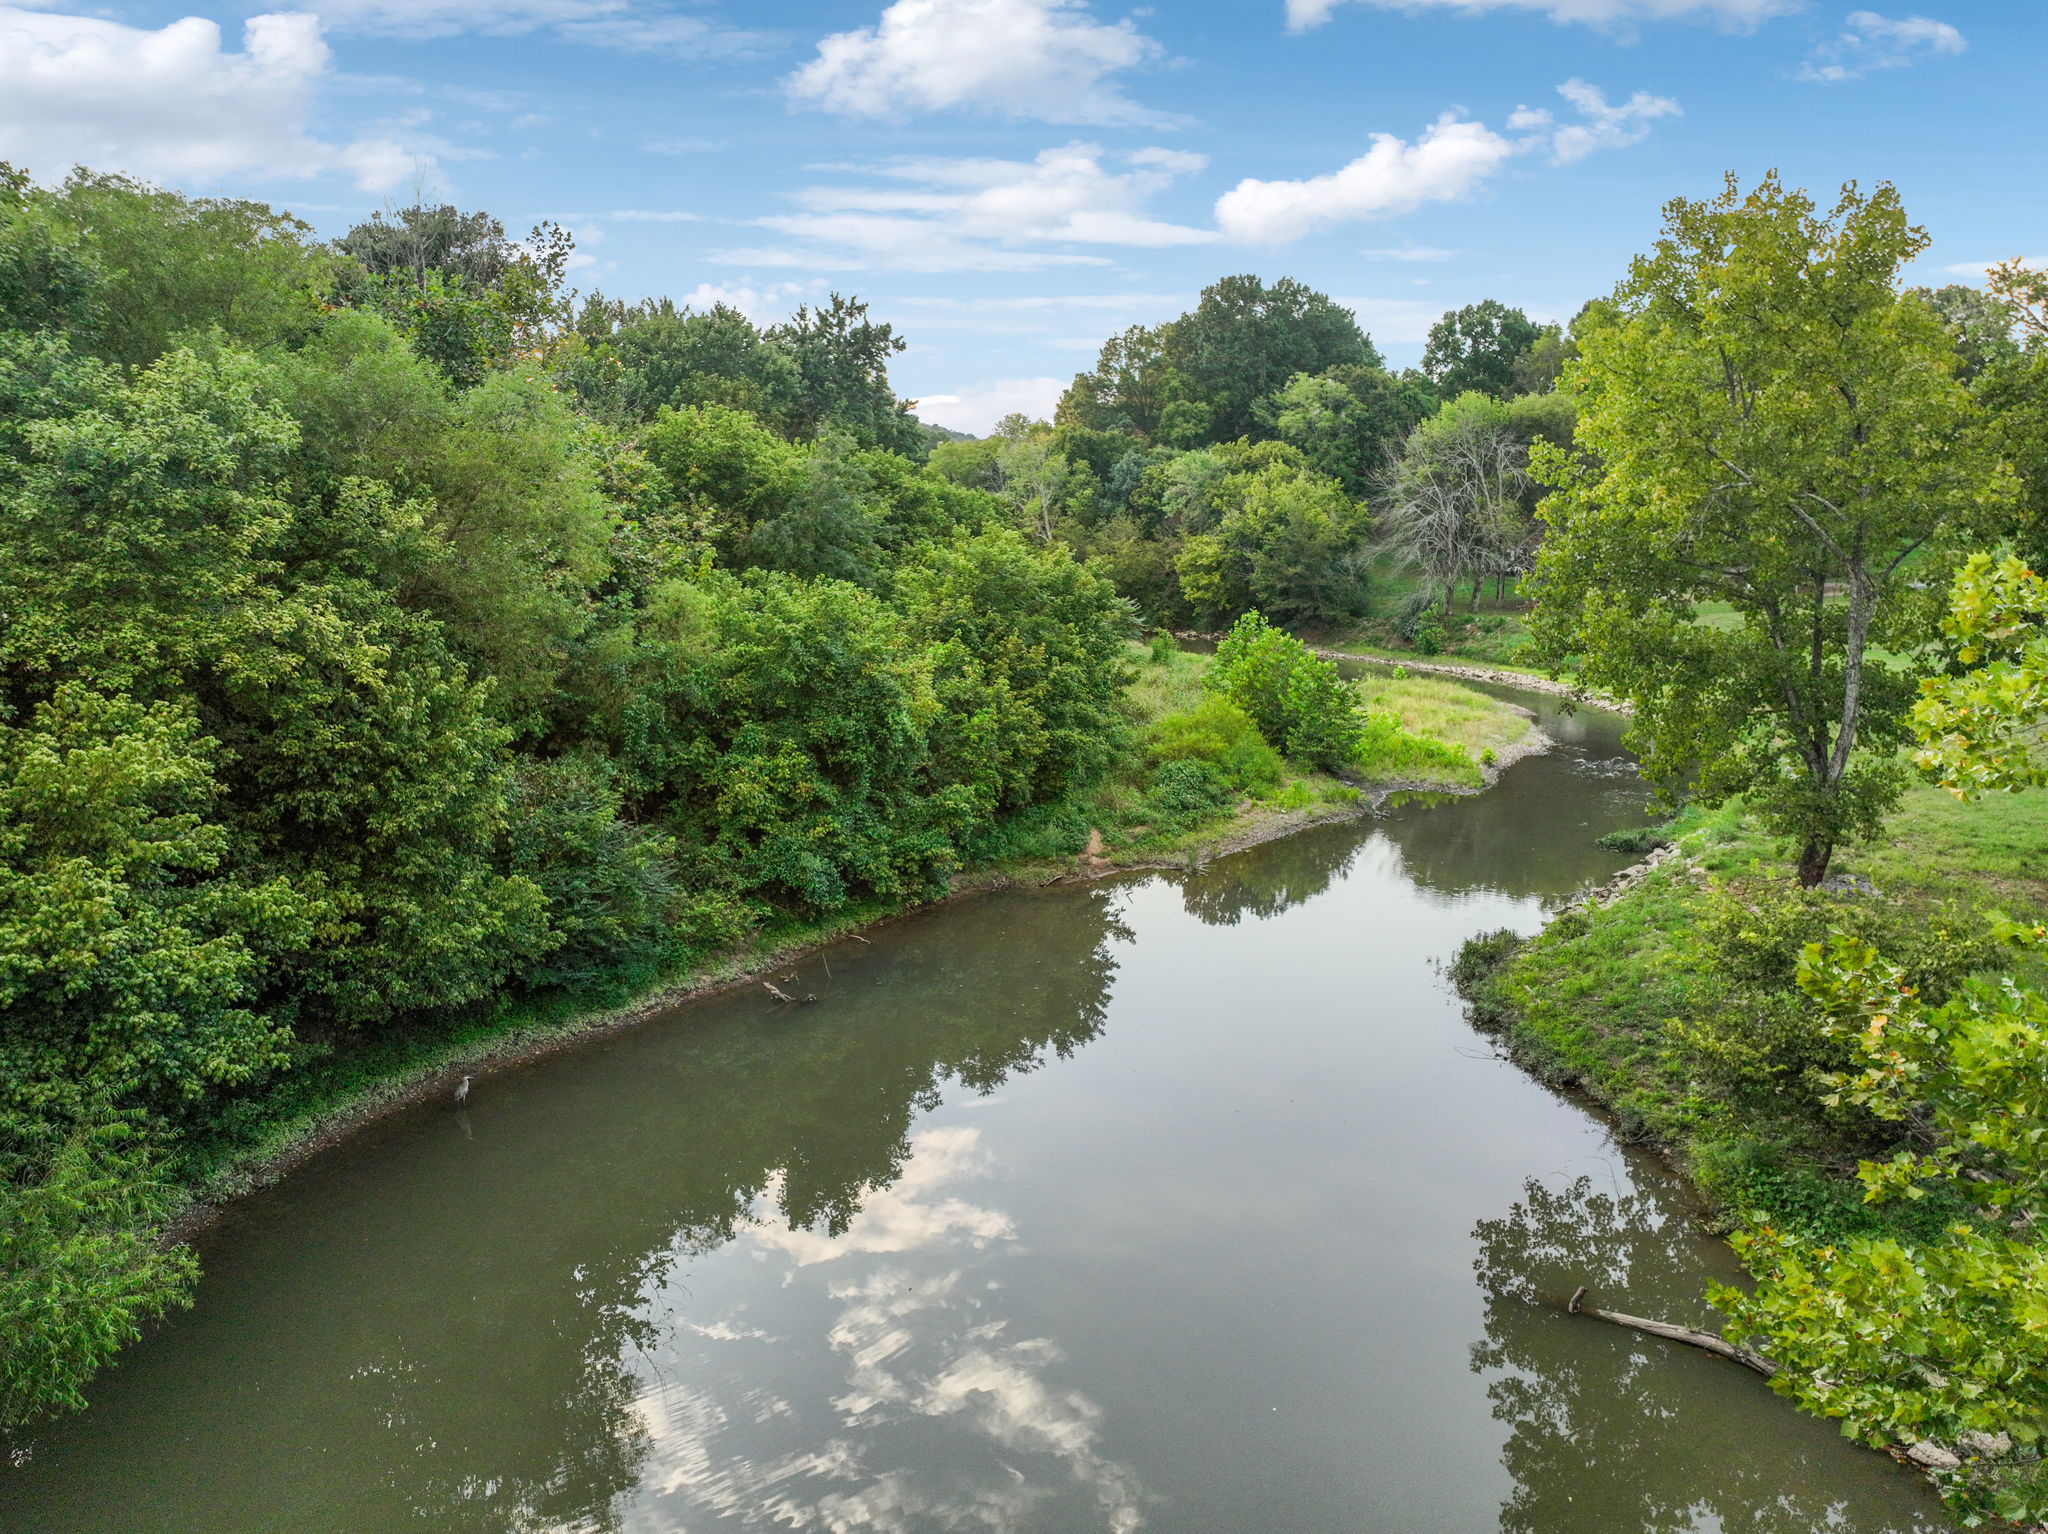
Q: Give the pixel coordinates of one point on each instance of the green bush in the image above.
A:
(1185, 793)
(1297, 700)
(1636, 842)
(1220, 733)
(1476, 971)
(1428, 636)
(80, 1266)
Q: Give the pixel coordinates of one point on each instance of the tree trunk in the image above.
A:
(1814, 858)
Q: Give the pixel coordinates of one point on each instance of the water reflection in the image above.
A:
(1610, 1430)
(935, 1417)
(454, 1323)
(1284, 874)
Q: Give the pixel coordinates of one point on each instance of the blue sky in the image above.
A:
(1008, 181)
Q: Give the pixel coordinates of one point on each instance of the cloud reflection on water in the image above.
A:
(938, 1420)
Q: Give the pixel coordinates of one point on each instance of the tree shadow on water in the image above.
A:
(1610, 1430)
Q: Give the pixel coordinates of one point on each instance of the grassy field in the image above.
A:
(1443, 710)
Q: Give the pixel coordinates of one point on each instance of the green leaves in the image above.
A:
(1982, 730)
(1768, 427)
(1299, 702)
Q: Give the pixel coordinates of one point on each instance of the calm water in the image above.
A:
(1184, 1203)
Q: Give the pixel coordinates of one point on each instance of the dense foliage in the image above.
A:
(384, 639)
(1768, 423)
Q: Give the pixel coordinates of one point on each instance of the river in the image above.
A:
(1187, 1203)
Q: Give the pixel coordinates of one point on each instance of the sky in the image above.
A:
(1007, 182)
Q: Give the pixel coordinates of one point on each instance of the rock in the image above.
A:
(1932, 1456)
(1985, 1445)
(1846, 884)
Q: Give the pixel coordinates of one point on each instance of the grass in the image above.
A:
(1442, 710)
(1643, 1003)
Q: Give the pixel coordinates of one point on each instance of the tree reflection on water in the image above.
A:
(1611, 1430)
(439, 1331)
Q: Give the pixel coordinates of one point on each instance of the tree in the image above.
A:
(842, 376)
(168, 265)
(1452, 506)
(1764, 422)
(1297, 700)
(2014, 389)
(1243, 340)
(1537, 370)
(1199, 379)
(1347, 421)
(1980, 324)
(1478, 348)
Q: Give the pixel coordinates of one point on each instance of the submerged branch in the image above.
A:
(1707, 1341)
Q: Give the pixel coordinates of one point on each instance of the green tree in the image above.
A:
(1031, 625)
(1479, 347)
(1348, 421)
(1980, 325)
(81, 1264)
(1297, 700)
(1200, 379)
(2014, 389)
(1244, 339)
(1764, 422)
(842, 376)
(169, 265)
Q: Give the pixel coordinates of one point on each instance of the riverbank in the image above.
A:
(1669, 998)
(329, 1098)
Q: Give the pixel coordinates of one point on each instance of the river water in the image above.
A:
(1184, 1202)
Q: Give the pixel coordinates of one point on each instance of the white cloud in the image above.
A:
(172, 103)
(1408, 253)
(769, 301)
(653, 216)
(1977, 269)
(1451, 159)
(977, 409)
(1602, 127)
(1735, 15)
(1047, 60)
(1873, 42)
(1397, 320)
(600, 23)
(929, 214)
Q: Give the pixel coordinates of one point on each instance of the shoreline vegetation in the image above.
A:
(1670, 999)
(316, 1114)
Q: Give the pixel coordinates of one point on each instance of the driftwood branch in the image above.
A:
(776, 991)
(1721, 1347)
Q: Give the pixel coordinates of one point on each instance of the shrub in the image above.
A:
(1476, 971)
(1184, 793)
(1220, 733)
(1163, 648)
(1638, 841)
(1298, 701)
(1429, 633)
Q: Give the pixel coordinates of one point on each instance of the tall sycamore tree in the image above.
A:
(1765, 422)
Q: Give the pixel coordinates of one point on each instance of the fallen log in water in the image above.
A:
(1706, 1341)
